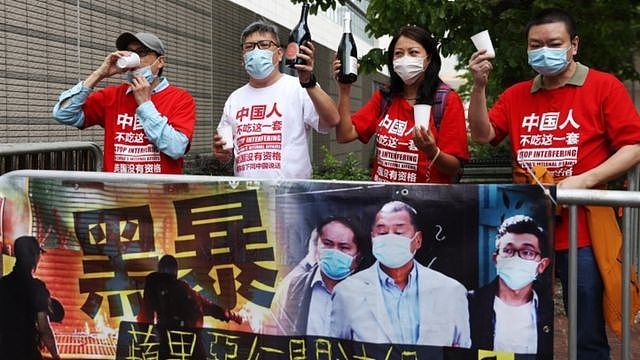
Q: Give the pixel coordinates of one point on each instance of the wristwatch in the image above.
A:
(311, 83)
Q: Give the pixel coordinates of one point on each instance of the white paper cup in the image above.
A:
(227, 136)
(129, 61)
(421, 115)
(482, 41)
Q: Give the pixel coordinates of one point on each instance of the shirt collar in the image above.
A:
(387, 281)
(163, 84)
(578, 78)
(317, 279)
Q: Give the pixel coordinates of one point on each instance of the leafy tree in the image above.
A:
(608, 31)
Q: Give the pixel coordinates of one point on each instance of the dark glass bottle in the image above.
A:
(347, 53)
(300, 34)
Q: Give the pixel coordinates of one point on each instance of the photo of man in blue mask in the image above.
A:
(509, 314)
(425, 306)
(337, 251)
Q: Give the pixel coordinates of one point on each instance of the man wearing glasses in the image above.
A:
(148, 123)
(271, 116)
(510, 313)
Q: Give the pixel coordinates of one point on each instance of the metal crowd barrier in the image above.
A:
(487, 171)
(629, 199)
(68, 155)
(634, 217)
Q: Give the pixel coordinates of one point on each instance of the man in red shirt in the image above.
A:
(148, 123)
(577, 122)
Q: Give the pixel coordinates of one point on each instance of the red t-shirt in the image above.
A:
(397, 158)
(569, 130)
(126, 147)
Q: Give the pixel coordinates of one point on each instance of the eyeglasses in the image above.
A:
(142, 51)
(262, 45)
(525, 254)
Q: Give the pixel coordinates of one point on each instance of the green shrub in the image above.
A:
(487, 151)
(333, 169)
(204, 164)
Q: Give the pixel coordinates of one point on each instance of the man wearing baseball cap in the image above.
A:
(148, 123)
(25, 305)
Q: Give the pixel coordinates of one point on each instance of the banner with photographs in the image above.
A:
(288, 269)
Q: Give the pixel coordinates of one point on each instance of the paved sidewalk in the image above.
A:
(561, 340)
(561, 334)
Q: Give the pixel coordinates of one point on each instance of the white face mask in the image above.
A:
(409, 68)
(516, 272)
(392, 250)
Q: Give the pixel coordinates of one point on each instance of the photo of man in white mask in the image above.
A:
(508, 314)
(398, 300)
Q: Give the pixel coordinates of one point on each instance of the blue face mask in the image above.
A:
(548, 61)
(516, 272)
(335, 264)
(259, 63)
(392, 250)
(144, 71)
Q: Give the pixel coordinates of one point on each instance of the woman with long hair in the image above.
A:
(404, 152)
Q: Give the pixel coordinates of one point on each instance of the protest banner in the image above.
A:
(239, 242)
